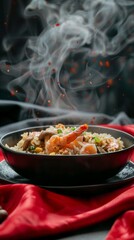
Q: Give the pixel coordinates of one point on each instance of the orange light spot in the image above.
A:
(110, 82)
(100, 63)
(107, 64)
(73, 70)
(49, 102)
(12, 92)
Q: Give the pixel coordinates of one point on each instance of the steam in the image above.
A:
(79, 49)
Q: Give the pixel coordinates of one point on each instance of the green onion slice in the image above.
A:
(59, 131)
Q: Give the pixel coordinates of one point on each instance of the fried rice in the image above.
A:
(86, 143)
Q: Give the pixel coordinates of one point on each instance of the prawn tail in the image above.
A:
(73, 135)
(82, 128)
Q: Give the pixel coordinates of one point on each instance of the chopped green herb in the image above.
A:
(73, 128)
(32, 147)
(97, 140)
(59, 131)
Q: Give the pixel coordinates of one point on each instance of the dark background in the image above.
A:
(118, 96)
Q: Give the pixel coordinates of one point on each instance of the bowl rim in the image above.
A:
(7, 149)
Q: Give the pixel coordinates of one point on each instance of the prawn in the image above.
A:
(56, 142)
(88, 148)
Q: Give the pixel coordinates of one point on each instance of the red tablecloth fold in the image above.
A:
(35, 212)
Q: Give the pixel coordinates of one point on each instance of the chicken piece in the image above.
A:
(27, 142)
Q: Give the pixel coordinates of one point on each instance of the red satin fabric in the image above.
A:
(35, 212)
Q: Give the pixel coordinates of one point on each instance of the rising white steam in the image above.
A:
(79, 49)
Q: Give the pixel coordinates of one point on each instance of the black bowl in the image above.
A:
(67, 170)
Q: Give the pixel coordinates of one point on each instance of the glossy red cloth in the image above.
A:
(35, 212)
